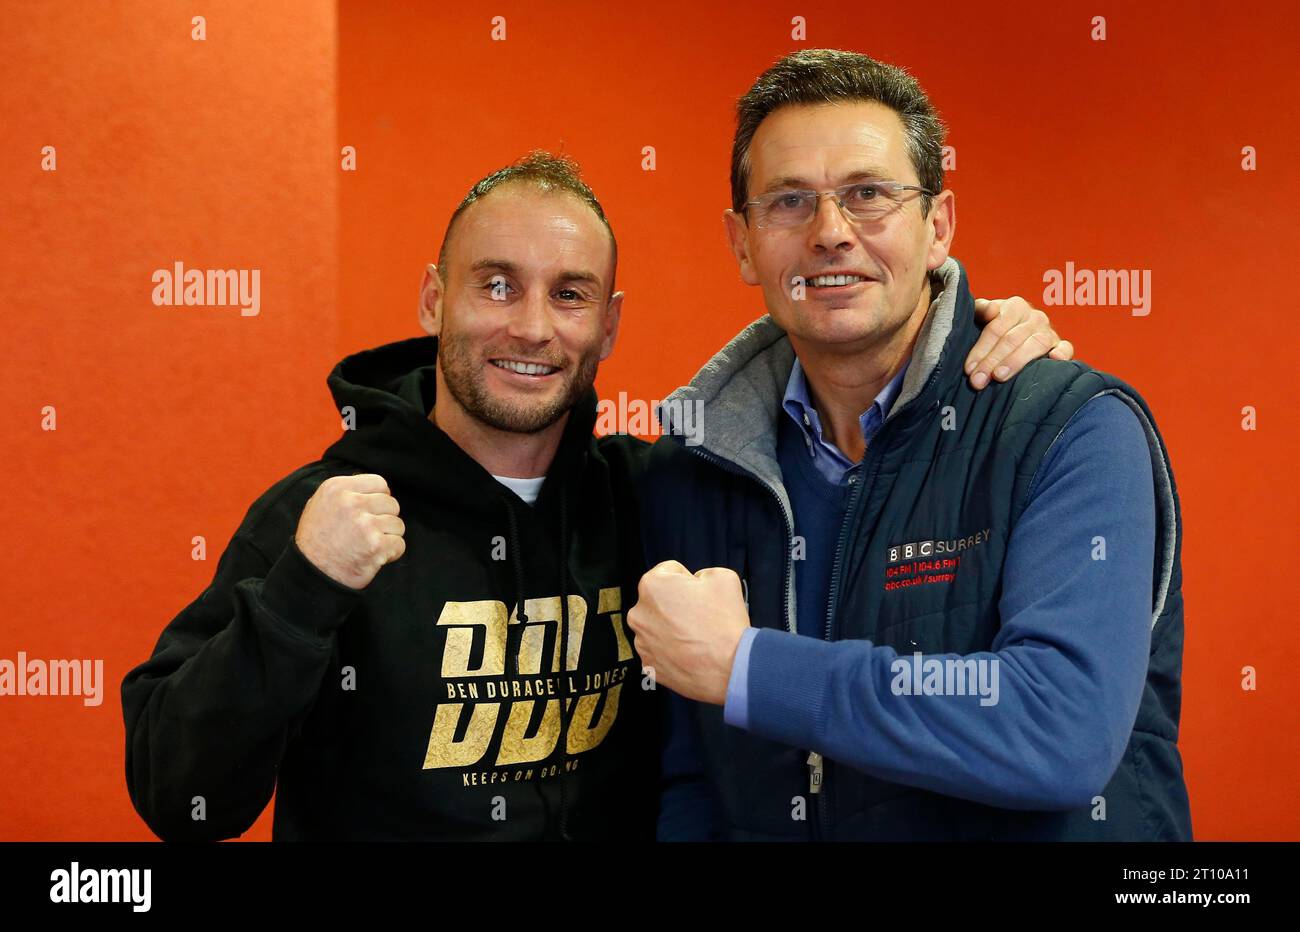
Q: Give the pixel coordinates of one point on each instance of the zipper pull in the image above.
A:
(815, 772)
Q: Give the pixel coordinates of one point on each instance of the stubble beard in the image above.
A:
(464, 377)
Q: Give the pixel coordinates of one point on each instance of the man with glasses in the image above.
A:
(919, 611)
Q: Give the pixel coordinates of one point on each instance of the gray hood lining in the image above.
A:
(741, 387)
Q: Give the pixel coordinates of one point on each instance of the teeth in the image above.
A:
(523, 368)
(825, 281)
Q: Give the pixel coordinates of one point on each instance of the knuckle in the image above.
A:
(724, 573)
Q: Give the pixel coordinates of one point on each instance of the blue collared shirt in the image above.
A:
(836, 468)
(827, 457)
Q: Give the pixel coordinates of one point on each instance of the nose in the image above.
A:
(829, 228)
(530, 320)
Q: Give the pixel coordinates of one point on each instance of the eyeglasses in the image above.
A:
(861, 200)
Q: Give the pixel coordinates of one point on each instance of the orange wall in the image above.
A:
(224, 153)
(171, 420)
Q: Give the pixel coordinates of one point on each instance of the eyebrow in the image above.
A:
(511, 268)
(793, 181)
(501, 265)
(587, 278)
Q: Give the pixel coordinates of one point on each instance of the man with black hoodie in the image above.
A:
(385, 696)
(422, 702)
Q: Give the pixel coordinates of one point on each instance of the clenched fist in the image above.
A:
(688, 627)
(349, 529)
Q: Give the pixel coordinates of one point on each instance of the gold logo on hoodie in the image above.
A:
(535, 699)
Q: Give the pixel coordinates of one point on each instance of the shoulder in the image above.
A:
(1048, 387)
(1078, 430)
(1105, 414)
(1067, 385)
(1049, 395)
(623, 447)
(626, 456)
(1103, 444)
(672, 462)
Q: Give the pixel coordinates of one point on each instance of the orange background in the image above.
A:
(225, 154)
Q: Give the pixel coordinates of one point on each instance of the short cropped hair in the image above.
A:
(545, 172)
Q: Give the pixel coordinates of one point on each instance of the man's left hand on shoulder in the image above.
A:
(688, 627)
(1014, 333)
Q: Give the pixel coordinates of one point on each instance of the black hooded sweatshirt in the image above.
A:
(427, 705)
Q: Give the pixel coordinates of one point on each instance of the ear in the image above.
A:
(738, 238)
(943, 226)
(431, 294)
(613, 313)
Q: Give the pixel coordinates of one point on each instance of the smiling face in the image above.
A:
(885, 263)
(523, 310)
